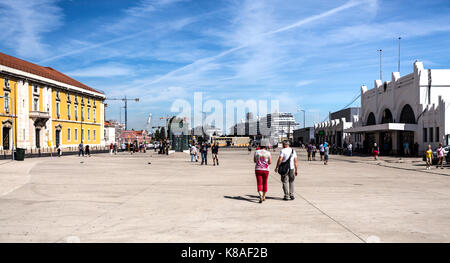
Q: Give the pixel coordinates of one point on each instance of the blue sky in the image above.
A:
(312, 54)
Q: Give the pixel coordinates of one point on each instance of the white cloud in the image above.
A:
(103, 71)
(23, 23)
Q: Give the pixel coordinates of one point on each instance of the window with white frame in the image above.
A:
(89, 135)
(68, 110)
(35, 89)
(76, 134)
(95, 115)
(6, 98)
(6, 87)
(36, 104)
(76, 111)
(89, 113)
(68, 134)
(82, 113)
(95, 135)
(82, 134)
(58, 110)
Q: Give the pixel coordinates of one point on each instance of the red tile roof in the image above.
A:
(45, 72)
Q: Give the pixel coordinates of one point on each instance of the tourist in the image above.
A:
(111, 148)
(314, 151)
(204, 152)
(262, 159)
(310, 150)
(350, 149)
(406, 148)
(115, 148)
(440, 152)
(87, 151)
(215, 153)
(321, 151)
(81, 149)
(288, 156)
(249, 148)
(326, 154)
(193, 152)
(58, 150)
(375, 151)
(428, 156)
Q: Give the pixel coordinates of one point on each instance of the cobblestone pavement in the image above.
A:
(151, 198)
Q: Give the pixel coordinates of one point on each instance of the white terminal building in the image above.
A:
(413, 108)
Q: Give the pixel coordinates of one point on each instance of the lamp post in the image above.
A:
(381, 64)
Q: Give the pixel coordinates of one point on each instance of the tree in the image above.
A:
(162, 133)
(157, 135)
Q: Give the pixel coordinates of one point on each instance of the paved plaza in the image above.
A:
(151, 198)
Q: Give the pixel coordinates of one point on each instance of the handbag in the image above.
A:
(285, 167)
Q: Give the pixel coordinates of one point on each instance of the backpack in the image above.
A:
(285, 167)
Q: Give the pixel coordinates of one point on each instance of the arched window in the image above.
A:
(387, 117)
(371, 119)
(407, 115)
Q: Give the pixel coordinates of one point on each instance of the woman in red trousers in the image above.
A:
(262, 160)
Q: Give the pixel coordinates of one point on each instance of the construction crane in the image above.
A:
(125, 100)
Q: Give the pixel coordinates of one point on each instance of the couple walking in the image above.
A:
(287, 167)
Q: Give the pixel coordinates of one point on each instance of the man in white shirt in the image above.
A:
(288, 179)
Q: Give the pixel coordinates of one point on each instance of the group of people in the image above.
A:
(440, 155)
(113, 148)
(324, 151)
(286, 166)
(83, 150)
(162, 147)
(201, 149)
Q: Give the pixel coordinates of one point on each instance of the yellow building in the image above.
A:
(42, 107)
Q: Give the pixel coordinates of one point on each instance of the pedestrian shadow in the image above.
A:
(242, 198)
(267, 197)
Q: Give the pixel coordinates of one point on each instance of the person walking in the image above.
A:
(321, 151)
(428, 156)
(326, 154)
(310, 150)
(58, 150)
(249, 148)
(262, 159)
(204, 152)
(80, 149)
(193, 152)
(215, 154)
(115, 148)
(87, 151)
(350, 149)
(440, 152)
(406, 148)
(288, 159)
(111, 148)
(314, 151)
(375, 151)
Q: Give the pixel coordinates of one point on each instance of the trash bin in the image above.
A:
(19, 154)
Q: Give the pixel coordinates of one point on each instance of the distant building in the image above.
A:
(304, 135)
(275, 125)
(333, 131)
(134, 136)
(110, 133)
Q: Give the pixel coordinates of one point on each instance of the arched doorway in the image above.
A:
(371, 119)
(387, 117)
(407, 115)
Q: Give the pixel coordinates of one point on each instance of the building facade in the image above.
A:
(333, 131)
(412, 109)
(40, 108)
(304, 136)
(279, 125)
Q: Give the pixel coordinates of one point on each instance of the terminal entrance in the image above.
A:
(403, 137)
(386, 143)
